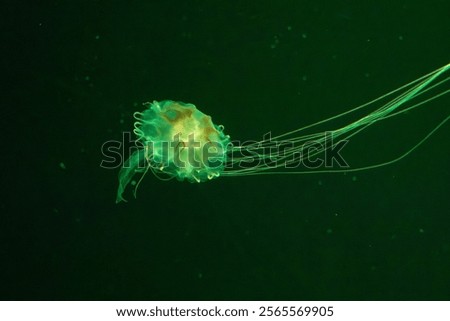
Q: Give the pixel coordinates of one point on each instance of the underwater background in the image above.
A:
(74, 73)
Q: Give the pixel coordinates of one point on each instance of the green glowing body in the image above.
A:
(165, 129)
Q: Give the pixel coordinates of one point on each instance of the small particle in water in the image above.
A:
(275, 43)
(329, 231)
(97, 37)
(304, 35)
(87, 78)
(354, 178)
(199, 275)
(421, 230)
(133, 183)
(400, 38)
(319, 183)
(62, 165)
(289, 28)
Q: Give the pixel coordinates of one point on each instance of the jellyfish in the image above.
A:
(176, 140)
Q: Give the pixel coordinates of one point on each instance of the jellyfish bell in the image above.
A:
(179, 141)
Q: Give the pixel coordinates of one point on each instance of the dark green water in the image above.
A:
(77, 70)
